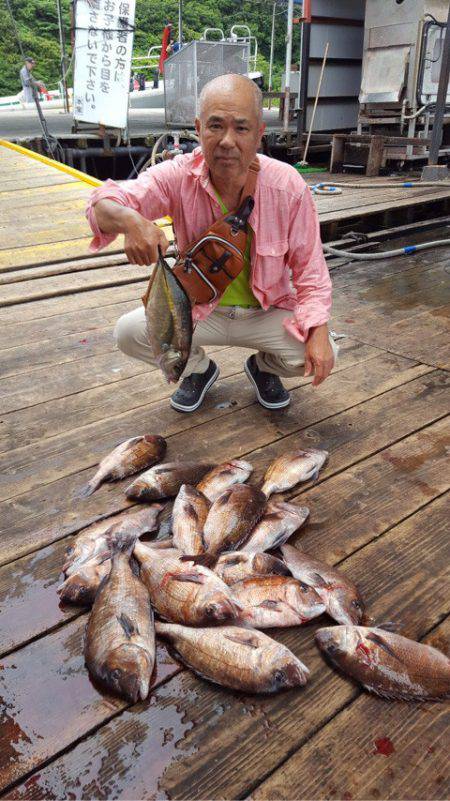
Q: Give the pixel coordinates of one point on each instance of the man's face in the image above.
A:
(30, 65)
(230, 132)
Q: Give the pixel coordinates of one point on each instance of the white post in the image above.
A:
(272, 45)
(287, 92)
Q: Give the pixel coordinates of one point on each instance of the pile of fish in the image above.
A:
(219, 574)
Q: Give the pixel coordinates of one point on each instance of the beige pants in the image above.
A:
(277, 351)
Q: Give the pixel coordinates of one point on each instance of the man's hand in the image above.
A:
(142, 239)
(319, 358)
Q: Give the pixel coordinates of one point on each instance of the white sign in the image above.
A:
(103, 48)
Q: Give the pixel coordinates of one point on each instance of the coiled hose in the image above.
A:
(336, 188)
(387, 254)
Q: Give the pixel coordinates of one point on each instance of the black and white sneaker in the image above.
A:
(269, 390)
(189, 395)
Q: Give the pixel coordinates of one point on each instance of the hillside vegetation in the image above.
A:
(38, 29)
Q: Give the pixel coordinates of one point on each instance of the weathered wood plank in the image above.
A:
(82, 448)
(49, 700)
(59, 268)
(223, 743)
(30, 607)
(324, 768)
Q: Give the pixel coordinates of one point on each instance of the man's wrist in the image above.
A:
(318, 330)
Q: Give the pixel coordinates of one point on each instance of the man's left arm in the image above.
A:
(312, 285)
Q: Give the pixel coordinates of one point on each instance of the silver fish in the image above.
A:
(94, 543)
(235, 657)
(120, 635)
(340, 595)
(165, 480)
(291, 468)
(269, 601)
(129, 457)
(183, 592)
(232, 517)
(190, 511)
(278, 523)
(223, 476)
(386, 663)
(169, 321)
(237, 565)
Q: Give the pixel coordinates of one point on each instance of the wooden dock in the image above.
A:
(379, 510)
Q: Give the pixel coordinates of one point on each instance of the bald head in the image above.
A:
(232, 87)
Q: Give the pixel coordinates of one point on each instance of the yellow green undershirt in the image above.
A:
(239, 292)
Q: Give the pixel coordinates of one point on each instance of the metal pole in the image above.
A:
(287, 84)
(272, 45)
(62, 45)
(304, 72)
(441, 100)
(180, 22)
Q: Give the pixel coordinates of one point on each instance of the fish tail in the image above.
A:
(89, 488)
(124, 543)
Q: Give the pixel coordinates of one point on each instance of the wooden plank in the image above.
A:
(50, 251)
(28, 608)
(49, 700)
(60, 268)
(28, 198)
(227, 742)
(363, 206)
(83, 447)
(43, 288)
(27, 182)
(72, 411)
(29, 522)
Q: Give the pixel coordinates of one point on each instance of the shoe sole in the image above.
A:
(179, 408)
(266, 404)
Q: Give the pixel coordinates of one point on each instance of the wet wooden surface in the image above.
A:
(380, 510)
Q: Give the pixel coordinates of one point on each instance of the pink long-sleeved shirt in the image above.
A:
(288, 269)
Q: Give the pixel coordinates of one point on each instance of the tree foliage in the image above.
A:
(37, 25)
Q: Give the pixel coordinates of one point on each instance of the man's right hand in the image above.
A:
(142, 239)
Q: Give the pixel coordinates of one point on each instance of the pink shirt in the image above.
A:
(288, 269)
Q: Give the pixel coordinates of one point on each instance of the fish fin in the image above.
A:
(193, 577)
(206, 559)
(131, 442)
(313, 475)
(389, 625)
(382, 644)
(281, 538)
(89, 488)
(319, 581)
(127, 625)
(124, 543)
(243, 638)
(191, 512)
(269, 603)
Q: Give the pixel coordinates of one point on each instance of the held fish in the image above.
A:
(182, 592)
(387, 664)
(340, 595)
(235, 657)
(165, 480)
(269, 601)
(95, 542)
(232, 518)
(189, 514)
(237, 565)
(120, 635)
(169, 321)
(130, 457)
(224, 476)
(291, 468)
(279, 522)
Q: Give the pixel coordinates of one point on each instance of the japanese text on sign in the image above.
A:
(103, 49)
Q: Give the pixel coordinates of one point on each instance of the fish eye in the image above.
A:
(280, 676)
(356, 604)
(331, 648)
(210, 610)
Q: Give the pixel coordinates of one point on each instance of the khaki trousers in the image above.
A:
(277, 351)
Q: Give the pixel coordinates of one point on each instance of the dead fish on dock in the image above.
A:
(278, 523)
(169, 321)
(165, 480)
(387, 664)
(120, 635)
(189, 514)
(291, 468)
(237, 565)
(269, 601)
(96, 541)
(129, 457)
(340, 595)
(232, 518)
(80, 588)
(223, 476)
(235, 657)
(183, 592)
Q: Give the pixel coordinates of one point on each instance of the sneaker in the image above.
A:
(189, 395)
(269, 390)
